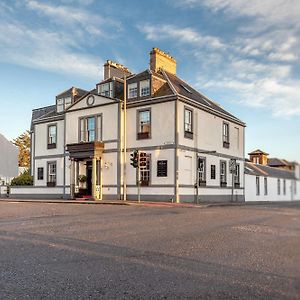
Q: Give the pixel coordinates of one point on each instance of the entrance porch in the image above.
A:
(86, 170)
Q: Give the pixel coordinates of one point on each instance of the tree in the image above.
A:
(23, 143)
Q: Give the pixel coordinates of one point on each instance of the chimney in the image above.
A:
(113, 69)
(259, 157)
(161, 60)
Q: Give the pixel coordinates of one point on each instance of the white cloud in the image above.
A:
(184, 35)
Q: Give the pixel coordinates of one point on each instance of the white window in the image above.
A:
(145, 172)
(201, 171)
(144, 124)
(145, 88)
(52, 172)
(68, 102)
(106, 89)
(225, 135)
(188, 120)
(257, 186)
(132, 90)
(90, 129)
(52, 136)
(60, 105)
(223, 177)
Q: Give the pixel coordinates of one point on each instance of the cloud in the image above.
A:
(183, 35)
(42, 49)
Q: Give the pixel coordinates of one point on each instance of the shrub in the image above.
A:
(23, 179)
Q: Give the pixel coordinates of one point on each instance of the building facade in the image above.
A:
(81, 146)
(271, 179)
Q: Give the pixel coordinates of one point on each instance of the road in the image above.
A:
(66, 251)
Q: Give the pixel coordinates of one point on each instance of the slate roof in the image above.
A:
(266, 171)
(42, 112)
(68, 93)
(258, 151)
(276, 162)
(184, 89)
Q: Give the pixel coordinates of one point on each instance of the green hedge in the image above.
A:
(23, 179)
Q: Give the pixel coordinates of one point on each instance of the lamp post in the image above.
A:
(125, 140)
(197, 174)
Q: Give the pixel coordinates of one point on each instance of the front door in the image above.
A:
(89, 178)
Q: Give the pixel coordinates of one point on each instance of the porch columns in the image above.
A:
(72, 179)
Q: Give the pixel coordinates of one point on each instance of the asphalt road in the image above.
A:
(66, 251)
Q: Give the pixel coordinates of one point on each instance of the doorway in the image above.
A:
(89, 170)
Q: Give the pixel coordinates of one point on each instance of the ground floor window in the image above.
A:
(213, 172)
(236, 176)
(145, 172)
(284, 187)
(51, 181)
(257, 186)
(266, 185)
(40, 173)
(223, 175)
(278, 186)
(202, 171)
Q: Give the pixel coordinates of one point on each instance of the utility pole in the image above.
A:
(124, 141)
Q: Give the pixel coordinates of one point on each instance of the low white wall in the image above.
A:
(37, 192)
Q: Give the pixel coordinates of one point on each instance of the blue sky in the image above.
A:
(242, 54)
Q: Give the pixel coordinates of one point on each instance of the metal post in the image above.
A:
(232, 185)
(125, 140)
(72, 180)
(139, 184)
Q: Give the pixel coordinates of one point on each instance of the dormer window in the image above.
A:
(106, 89)
(132, 90)
(145, 88)
(63, 104)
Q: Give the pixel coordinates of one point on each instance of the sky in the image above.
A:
(242, 54)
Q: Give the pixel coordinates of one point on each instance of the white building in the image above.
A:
(271, 179)
(8, 162)
(78, 143)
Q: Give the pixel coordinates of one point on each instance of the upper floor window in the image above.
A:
(226, 135)
(145, 87)
(266, 185)
(63, 103)
(132, 90)
(52, 136)
(257, 186)
(51, 176)
(223, 173)
(144, 124)
(106, 89)
(201, 171)
(91, 129)
(188, 123)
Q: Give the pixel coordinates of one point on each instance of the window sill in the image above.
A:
(51, 146)
(188, 135)
(143, 135)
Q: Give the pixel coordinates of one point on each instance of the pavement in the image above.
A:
(54, 251)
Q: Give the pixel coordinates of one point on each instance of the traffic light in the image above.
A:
(134, 157)
(143, 160)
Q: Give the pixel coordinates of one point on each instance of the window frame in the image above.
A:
(257, 184)
(141, 88)
(265, 186)
(213, 172)
(129, 90)
(143, 172)
(223, 183)
(106, 93)
(82, 135)
(188, 134)
(40, 176)
(51, 183)
(139, 134)
(51, 145)
(226, 138)
(201, 182)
